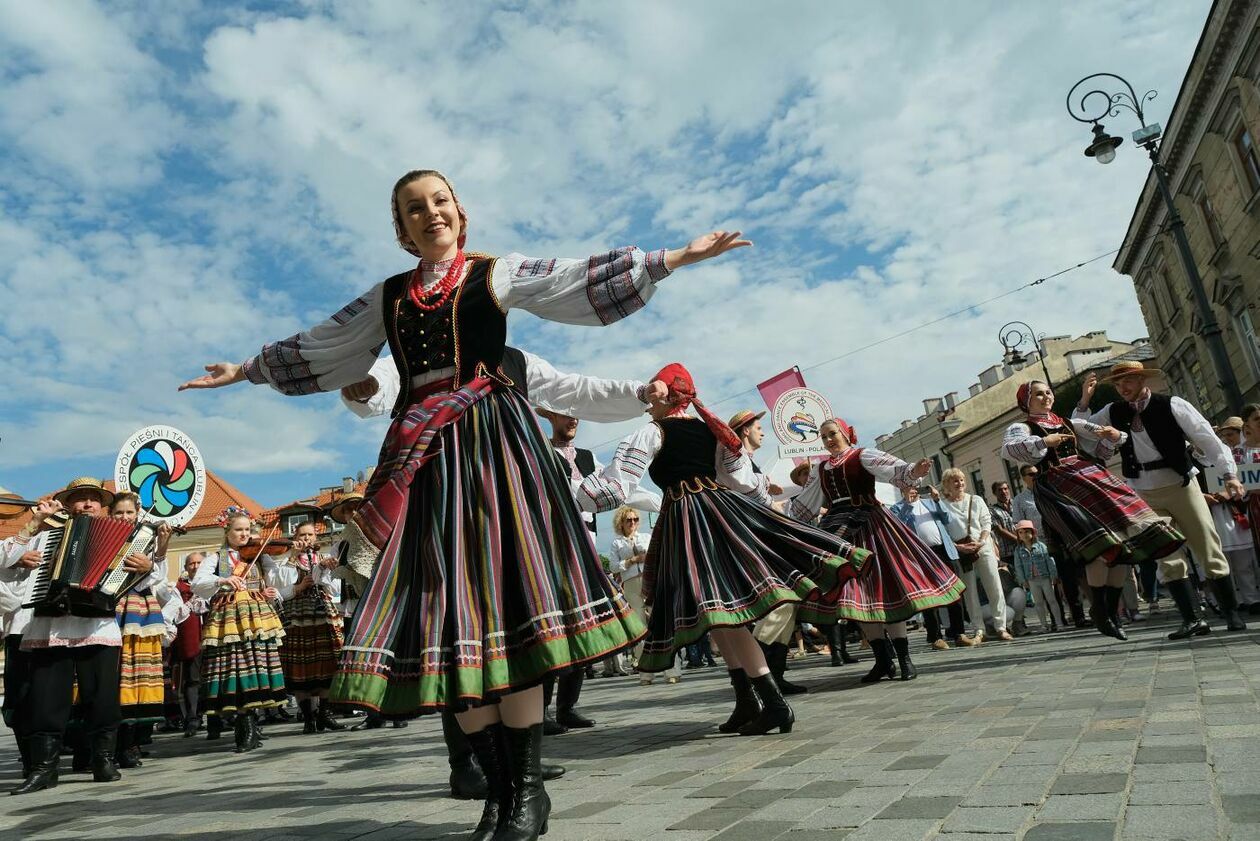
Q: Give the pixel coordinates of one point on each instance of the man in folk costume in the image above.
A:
(774, 632)
(66, 648)
(549, 389)
(1155, 460)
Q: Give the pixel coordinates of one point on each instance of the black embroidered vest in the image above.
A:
(687, 452)
(1056, 454)
(1164, 431)
(468, 333)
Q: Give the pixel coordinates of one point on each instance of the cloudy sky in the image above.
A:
(179, 187)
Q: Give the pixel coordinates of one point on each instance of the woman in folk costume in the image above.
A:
(1095, 515)
(903, 576)
(719, 560)
(484, 578)
(185, 650)
(241, 633)
(312, 629)
(142, 693)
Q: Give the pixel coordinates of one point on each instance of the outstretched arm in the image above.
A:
(606, 489)
(586, 398)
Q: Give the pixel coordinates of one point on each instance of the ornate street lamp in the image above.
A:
(1103, 149)
(1012, 336)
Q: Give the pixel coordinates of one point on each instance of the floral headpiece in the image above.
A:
(231, 513)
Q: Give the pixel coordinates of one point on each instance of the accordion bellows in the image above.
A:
(240, 616)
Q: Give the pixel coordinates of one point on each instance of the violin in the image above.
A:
(258, 546)
(12, 505)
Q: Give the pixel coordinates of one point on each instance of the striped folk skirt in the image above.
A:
(1098, 517)
(240, 645)
(490, 580)
(903, 577)
(312, 640)
(719, 560)
(141, 691)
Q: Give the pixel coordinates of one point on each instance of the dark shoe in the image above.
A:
(242, 732)
(1113, 595)
(747, 707)
(81, 759)
(214, 727)
(44, 755)
(530, 804)
(371, 722)
(1223, 588)
(280, 713)
(1101, 614)
(883, 667)
(1191, 625)
(775, 711)
(568, 690)
(776, 659)
(129, 757)
(103, 768)
(551, 772)
(550, 726)
(467, 780)
(308, 715)
(191, 726)
(573, 719)
(324, 719)
(490, 752)
(901, 645)
(398, 724)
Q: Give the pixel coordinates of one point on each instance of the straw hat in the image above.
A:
(338, 511)
(742, 418)
(1231, 423)
(1124, 369)
(85, 483)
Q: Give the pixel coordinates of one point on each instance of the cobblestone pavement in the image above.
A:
(1067, 737)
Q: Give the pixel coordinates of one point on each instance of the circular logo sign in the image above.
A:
(163, 467)
(797, 415)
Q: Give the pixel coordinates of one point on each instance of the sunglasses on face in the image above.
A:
(632, 519)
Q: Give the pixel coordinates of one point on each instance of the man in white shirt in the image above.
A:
(931, 524)
(1155, 458)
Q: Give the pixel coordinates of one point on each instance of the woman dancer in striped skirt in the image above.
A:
(1095, 515)
(905, 576)
(312, 630)
(142, 692)
(721, 557)
(241, 633)
(484, 579)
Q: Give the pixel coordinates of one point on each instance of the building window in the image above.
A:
(292, 522)
(977, 482)
(1195, 385)
(1012, 476)
(1210, 220)
(1249, 340)
(937, 469)
(1245, 148)
(1164, 289)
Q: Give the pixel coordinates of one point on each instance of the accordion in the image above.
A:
(82, 572)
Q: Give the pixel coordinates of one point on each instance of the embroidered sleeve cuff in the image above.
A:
(655, 264)
(253, 371)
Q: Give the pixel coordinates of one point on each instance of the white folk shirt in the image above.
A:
(1197, 431)
(624, 549)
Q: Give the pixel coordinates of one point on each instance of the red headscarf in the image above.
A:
(846, 429)
(682, 393)
(1022, 397)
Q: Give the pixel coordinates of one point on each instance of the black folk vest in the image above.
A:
(1165, 433)
(687, 452)
(469, 332)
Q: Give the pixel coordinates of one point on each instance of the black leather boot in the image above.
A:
(1227, 599)
(747, 707)
(24, 751)
(242, 732)
(214, 727)
(776, 659)
(103, 768)
(256, 736)
(1191, 624)
(1112, 597)
(1100, 611)
(568, 690)
(308, 715)
(468, 782)
(126, 748)
(44, 755)
(530, 804)
(775, 711)
(371, 721)
(883, 667)
(324, 719)
(902, 646)
(487, 749)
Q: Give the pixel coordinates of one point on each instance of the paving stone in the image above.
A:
(1089, 783)
(1171, 823)
(824, 789)
(1182, 792)
(893, 830)
(920, 808)
(987, 818)
(1071, 831)
(713, 819)
(1242, 809)
(1006, 795)
(915, 762)
(1081, 807)
(752, 830)
(1164, 756)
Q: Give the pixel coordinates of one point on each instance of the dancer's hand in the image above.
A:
(1234, 489)
(221, 374)
(361, 391)
(704, 248)
(1087, 390)
(921, 469)
(1056, 438)
(1110, 433)
(655, 392)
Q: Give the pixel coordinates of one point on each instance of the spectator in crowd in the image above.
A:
(971, 528)
(930, 520)
(1036, 571)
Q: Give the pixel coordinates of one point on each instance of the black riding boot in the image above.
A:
(568, 690)
(1112, 597)
(127, 748)
(486, 749)
(902, 646)
(214, 727)
(468, 782)
(551, 727)
(24, 751)
(44, 755)
(776, 658)
(775, 711)
(883, 667)
(1191, 624)
(530, 804)
(103, 769)
(324, 719)
(1100, 611)
(242, 732)
(747, 707)
(1223, 588)
(308, 715)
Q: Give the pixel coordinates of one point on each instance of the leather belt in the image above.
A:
(1158, 464)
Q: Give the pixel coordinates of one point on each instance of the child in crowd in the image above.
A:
(1037, 574)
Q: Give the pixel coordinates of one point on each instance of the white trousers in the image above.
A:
(1042, 590)
(985, 569)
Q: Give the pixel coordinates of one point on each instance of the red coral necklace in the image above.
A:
(427, 300)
